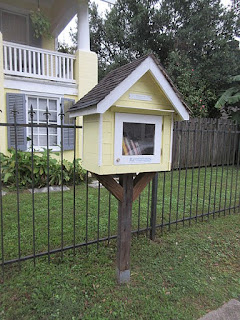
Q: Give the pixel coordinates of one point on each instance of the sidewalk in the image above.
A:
(229, 311)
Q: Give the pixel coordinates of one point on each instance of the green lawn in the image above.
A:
(216, 179)
(182, 275)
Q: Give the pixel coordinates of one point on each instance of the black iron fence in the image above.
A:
(34, 225)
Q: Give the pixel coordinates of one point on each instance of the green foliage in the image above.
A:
(231, 95)
(41, 24)
(65, 48)
(229, 101)
(182, 34)
(8, 164)
(194, 89)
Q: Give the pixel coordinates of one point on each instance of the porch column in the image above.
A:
(83, 26)
(3, 114)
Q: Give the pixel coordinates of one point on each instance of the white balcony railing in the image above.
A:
(26, 61)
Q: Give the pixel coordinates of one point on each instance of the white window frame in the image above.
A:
(29, 143)
(120, 159)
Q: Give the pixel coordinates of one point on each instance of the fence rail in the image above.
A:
(26, 61)
(204, 183)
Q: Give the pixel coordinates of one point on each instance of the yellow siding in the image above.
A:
(146, 86)
(91, 142)
(48, 44)
(86, 75)
(108, 166)
(108, 139)
(86, 71)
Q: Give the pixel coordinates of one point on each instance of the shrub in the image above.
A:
(40, 172)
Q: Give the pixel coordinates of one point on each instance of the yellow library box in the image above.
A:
(128, 120)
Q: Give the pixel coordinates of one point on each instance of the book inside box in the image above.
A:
(138, 139)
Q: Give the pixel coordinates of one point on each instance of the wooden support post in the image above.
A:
(124, 229)
(127, 191)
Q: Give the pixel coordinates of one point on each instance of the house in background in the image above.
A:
(33, 73)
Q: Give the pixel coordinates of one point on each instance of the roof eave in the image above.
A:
(160, 76)
(147, 65)
(83, 112)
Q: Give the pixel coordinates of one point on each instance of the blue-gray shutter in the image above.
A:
(18, 101)
(68, 133)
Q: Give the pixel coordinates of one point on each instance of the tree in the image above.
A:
(184, 35)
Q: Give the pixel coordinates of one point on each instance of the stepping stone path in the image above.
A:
(229, 311)
(94, 184)
(51, 189)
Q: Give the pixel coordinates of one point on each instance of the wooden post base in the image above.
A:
(123, 276)
(124, 229)
(127, 191)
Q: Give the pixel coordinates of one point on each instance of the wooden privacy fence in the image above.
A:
(204, 142)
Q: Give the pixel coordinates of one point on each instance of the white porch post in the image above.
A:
(83, 26)
(86, 66)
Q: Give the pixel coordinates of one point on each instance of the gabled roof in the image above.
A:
(118, 81)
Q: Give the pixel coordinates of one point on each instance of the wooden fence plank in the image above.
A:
(212, 141)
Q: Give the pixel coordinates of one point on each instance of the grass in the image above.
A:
(185, 195)
(182, 275)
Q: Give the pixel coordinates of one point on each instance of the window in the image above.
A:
(137, 138)
(23, 104)
(14, 27)
(40, 134)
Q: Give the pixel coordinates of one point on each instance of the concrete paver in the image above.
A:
(229, 311)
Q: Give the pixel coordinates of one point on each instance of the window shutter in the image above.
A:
(68, 133)
(18, 101)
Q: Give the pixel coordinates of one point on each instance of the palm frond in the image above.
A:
(234, 99)
(226, 96)
(236, 78)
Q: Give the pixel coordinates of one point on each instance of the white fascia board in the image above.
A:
(168, 90)
(126, 84)
(41, 86)
(83, 112)
(145, 66)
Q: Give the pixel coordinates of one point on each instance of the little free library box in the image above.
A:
(128, 128)
(128, 120)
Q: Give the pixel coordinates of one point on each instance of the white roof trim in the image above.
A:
(83, 112)
(168, 90)
(114, 95)
(147, 65)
